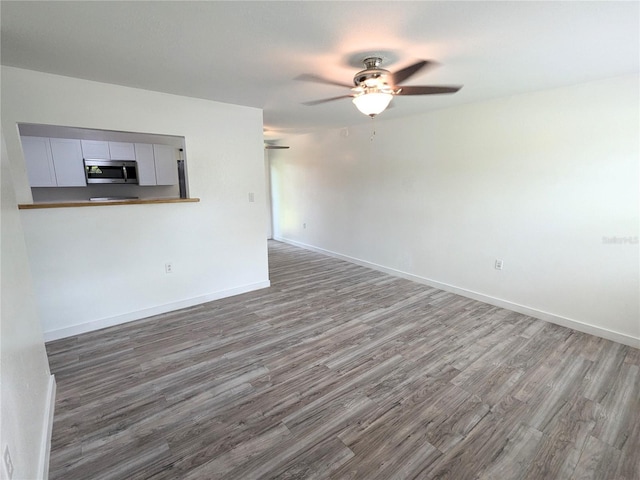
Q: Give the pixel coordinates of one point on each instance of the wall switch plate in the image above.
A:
(8, 464)
(168, 268)
(499, 264)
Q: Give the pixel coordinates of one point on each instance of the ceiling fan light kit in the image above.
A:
(372, 103)
(375, 87)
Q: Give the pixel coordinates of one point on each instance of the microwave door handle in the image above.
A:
(124, 173)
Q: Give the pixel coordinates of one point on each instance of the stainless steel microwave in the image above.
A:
(110, 171)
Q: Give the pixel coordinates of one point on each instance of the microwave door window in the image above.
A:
(132, 175)
(94, 172)
(104, 172)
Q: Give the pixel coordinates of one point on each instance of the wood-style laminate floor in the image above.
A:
(342, 372)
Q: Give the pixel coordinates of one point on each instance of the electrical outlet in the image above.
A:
(168, 267)
(304, 225)
(251, 197)
(499, 264)
(8, 464)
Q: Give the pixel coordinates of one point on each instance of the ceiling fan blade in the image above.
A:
(427, 90)
(310, 77)
(401, 75)
(325, 100)
(275, 147)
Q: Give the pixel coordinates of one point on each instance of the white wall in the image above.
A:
(96, 266)
(536, 180)
(269, 213)
(25, 382)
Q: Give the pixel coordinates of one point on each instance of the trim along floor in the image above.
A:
(342, 372)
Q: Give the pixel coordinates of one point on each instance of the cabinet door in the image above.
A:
(122, 151)
(39, 162)
(95, 149)
(67, 160)
(166, 159)
(146, 164)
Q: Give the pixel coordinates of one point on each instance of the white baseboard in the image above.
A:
(498, 302)
(47, 428)
(149, 312)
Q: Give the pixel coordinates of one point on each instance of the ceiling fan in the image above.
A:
(374, 87)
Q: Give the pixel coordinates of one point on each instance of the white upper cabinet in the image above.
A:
(166, 160)
(157, 164)
(39, 161)
(67, 160)
(53, 162)
(95, 149)
(146, 164)
(98, 149)
(122, 151)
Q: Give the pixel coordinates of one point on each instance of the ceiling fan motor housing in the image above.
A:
(372, 76)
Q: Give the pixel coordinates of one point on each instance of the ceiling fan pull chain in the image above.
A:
(373, 129)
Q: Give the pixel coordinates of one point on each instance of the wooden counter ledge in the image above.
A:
(103, 203)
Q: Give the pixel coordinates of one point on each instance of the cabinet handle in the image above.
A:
(124, 173)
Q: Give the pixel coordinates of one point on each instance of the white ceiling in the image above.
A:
(250, 53)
